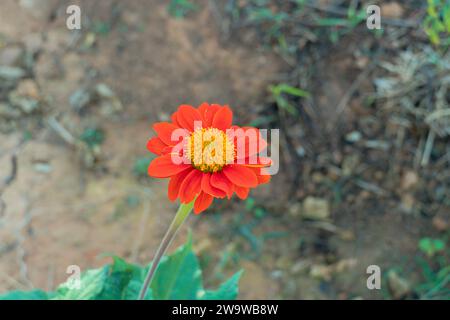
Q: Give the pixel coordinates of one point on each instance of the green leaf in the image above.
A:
(27, 295)
(178, 276)
(141, 165)
(116, 284)
(227, 290)
(431, 246)
(93, 137)
(285, 88)
(91, 285)
(132, 291)
(332, 22)
(180, 8)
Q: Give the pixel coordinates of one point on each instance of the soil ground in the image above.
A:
(65, 207)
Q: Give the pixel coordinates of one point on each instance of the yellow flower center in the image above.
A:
(209, 149)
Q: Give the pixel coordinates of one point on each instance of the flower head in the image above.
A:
(206, 157)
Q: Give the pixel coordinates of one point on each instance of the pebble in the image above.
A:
(315, 208)
(11, 56)
(40, 9)
(8, 112)
(11, 73)
(392, 10)
(440, 224)
(398, 286)
(409, 180)
(33, 42)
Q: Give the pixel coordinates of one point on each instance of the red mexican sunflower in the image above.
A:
(216, 162)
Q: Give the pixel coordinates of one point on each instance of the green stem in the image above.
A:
(180, 217)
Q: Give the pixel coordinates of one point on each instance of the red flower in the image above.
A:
(206, 157)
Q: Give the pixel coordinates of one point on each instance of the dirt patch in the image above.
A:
(59, 213)
(350, 192)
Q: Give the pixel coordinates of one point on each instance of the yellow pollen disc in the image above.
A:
(209, 149)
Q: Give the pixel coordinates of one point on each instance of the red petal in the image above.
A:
(175, 184)
(262, 179)
(174, 118)
(156, 145)
(163, 167)
(191, 186)
(261, 162)
(220, 181)
(207, 112)
(241, 176)
(251, 142)
(169, 149)
(241, 192)
(164, 131)
(186, 115)
(202, 108)
(202, 202)
(223, 118)
(262, 175)
(208, 188)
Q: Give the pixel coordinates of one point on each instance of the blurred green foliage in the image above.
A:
(431, 246)
(280, 94)
(141, 164)
(102, 28)
(435, 268)
(437, 22)
(178, 277)
(180, 8)
(92, 136)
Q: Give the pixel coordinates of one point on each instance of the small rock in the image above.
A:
(295, 210)
(57, 40)
(407, 202)
(103, 91)
(26, 96)
(109, 101)
(409, 180)
(353, 136)
(317, 177)
(398, 286)
(80, 99)
(377, 144)
(130, 18)
(347, 235)
(42, 167)
(392, 10)
(26, 105)
(8, 112)
(440, 224)
(362, 62)
(320, 271)
(33, 42)
(349, 164)
(11, 56)
(345, 264)
(11, 73)
(41, 9)
(300, 151)
(28, 88)
(315, 208)
(48, 66)
(89, 41)
(300, 267)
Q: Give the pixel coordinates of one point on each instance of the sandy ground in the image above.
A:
(61, 210)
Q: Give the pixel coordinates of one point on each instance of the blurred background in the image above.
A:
(364, 119)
